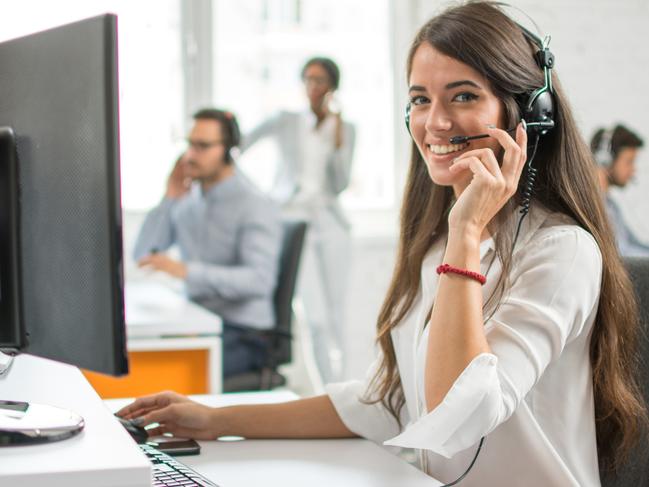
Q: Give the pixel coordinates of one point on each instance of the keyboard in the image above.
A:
(169, 472)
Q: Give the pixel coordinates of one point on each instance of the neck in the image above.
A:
(225, 173)
(319, 113)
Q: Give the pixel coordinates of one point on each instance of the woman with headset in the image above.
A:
(517, 327)
(316, 147)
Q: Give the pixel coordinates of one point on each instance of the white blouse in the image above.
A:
(532, 397)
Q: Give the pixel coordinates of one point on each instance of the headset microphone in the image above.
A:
(461, 139)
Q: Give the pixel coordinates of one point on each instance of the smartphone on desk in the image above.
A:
(174, 446)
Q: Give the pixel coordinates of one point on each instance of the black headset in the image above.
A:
(232, 134)
(538, 107)
(229, 128)
(603, 153)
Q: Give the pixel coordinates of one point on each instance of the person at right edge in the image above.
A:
(615, 151)
(506, 357)
(316, 147)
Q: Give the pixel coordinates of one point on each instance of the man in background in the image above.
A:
(228, 235)
(615, 150)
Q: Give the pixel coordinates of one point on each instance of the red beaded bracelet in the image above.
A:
(444, 268)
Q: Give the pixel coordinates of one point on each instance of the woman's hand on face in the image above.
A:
(491, 185)
(175, 414)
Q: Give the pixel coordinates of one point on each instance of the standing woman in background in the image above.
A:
(316, 148)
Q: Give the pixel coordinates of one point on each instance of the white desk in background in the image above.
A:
(159, 317)
(350, 462)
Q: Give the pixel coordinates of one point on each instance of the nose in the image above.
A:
(186, 158)
(437, 119)
(190, 153)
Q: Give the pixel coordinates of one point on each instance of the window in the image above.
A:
(259, 47)
(151, 81)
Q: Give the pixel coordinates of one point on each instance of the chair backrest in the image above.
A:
(636, 471)
(289, 264)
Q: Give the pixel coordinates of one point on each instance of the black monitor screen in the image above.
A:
(59, 94)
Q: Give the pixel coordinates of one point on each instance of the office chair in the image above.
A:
(636, 471)
(279, 338)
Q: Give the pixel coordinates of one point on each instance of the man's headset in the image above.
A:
(232, 134)
(603, 154)
(538, 107)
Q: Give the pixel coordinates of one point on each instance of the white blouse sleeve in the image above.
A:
(371, 421)
(555, 288)
(267, 128)
(339, 165)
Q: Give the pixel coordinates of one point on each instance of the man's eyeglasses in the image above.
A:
(202, 145)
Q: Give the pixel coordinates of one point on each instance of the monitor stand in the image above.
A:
(5, 362)
(24, 423)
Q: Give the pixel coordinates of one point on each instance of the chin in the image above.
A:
(193, 175)
(441, 176)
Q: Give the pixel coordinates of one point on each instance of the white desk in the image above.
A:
(296, 463)
(102, 455)
(160, 318)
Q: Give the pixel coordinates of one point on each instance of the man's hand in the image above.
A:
(178, 183)
(161, 262)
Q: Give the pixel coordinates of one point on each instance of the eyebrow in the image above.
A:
(449, 86)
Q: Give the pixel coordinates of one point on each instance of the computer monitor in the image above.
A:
(61, 278)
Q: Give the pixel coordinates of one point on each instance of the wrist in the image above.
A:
(219, 423)
(467, 236)
(463, 250)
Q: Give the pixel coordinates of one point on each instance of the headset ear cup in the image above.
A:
(603, 154)
(539, 112)
(407, 118)
(235, 136)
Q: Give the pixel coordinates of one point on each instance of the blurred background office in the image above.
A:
(179, 55)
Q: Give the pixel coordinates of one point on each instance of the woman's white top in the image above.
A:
(312, 171)
(532, 397)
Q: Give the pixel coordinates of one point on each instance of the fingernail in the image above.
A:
(491, 126)
(524, 124)
(138, 421)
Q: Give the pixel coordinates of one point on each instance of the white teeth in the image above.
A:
(446, 149)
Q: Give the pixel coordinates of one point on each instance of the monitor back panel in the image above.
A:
(58, 91)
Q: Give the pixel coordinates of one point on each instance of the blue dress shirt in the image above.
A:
(229, 238)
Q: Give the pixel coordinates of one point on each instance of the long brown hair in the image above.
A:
(481, 36)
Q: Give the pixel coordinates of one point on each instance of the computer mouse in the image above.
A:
(138, 433)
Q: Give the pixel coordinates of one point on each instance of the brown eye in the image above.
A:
(465, 97)
(418, 100)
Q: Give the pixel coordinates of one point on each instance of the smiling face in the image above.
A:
(449, 98)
